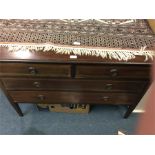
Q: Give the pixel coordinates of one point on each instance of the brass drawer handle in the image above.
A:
(36, 84)
(32, 70)
(114, 72)
(105, 98)
(108, 86)
(41, 97)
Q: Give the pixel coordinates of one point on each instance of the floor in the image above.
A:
(102, 120)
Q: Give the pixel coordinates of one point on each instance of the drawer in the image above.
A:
(113, 71)
(34, 69)
(74, 84)
(72, 97)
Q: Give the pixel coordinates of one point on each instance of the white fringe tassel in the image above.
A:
(119, 54)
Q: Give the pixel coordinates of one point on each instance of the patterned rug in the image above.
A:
(114, 39)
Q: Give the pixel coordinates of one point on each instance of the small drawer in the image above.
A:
(72, 97)
(113, 71)
(34, 69)
(73, 84)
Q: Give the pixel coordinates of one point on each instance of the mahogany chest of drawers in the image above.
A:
(56, 78)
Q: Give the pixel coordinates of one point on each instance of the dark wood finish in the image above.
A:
(112, 71)
(73, 97)
(14, 105)
(31, 69)
(133, 106)
(73, 85)
(45, 77)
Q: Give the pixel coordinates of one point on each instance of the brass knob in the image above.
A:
(105, 98)
(36, 84)
(114, 72)
(32, 70)
(108, 86)
(41, 97)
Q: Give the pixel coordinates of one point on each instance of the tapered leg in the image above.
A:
(129, 110)
(133, 106)
(14, 105)
(17, 108)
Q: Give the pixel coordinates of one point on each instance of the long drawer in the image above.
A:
(72, 84)
(72, 97)
(35, 69)
(113, 71)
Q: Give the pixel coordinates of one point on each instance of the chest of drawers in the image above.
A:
(53, 78)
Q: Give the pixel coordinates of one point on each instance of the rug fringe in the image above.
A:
(118, 54)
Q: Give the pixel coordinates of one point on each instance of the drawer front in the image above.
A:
(72, 97)
(75, 85)
(113, 71)
(32, 69)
